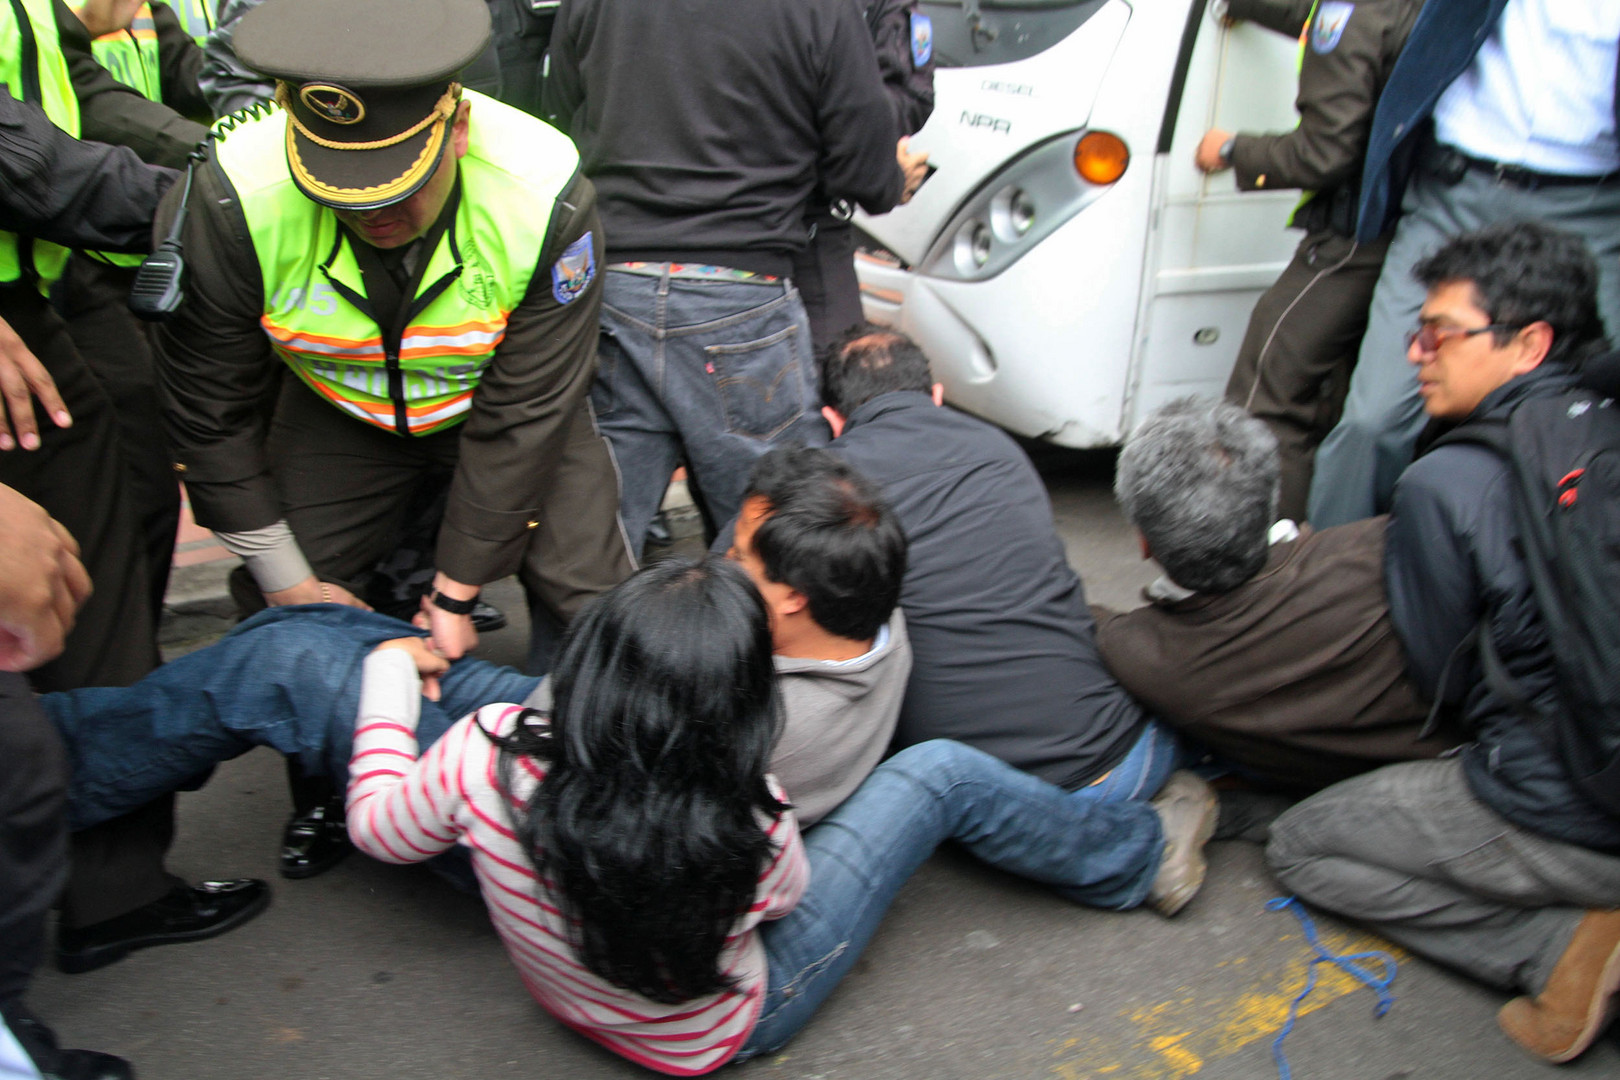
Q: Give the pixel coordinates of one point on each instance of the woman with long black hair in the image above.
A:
(645, 873)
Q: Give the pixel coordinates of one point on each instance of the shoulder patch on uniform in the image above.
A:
(922, 39)
(574, 271)
(1331, 19)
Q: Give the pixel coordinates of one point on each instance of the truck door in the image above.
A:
(1213, 250)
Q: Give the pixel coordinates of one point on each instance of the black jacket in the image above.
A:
(109, 111)
(1451, 558)
(706, 125)
(1004, 649)
(910, 85)
(77, 194)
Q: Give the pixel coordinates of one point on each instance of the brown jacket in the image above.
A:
(1296, 674)
(1338, 91)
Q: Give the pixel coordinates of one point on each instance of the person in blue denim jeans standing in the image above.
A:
(707, 127)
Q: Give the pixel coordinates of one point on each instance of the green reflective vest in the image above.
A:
(197, 16)
(32, 66)
(316, 314)
(132, 55)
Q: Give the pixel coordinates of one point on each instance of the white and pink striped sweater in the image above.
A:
(404, 808)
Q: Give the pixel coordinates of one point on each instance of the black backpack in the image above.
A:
(1564, 453)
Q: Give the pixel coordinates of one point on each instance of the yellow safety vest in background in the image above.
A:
(510, 178)
(197, 16)
(132, 55)
(32, 66)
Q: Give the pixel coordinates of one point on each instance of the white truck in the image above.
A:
(1067, 269)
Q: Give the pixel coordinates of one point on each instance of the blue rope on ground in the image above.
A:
(1345, 962)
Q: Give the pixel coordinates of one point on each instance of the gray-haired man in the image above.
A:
(1272, 645)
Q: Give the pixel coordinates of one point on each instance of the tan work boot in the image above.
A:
(1580, 996)
(1188, 809)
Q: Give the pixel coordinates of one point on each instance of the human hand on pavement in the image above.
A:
(1208, 157)
(453, 635)
(915, 167)
(23, 378)
(105, 16)
(429, 664)
(314, 591)
(42, 583)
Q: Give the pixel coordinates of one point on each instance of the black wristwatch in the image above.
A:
(452, 605)
(1225, 151)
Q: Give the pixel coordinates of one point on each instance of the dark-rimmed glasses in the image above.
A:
(1429, 337)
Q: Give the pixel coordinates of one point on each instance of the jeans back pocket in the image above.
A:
(761, 383)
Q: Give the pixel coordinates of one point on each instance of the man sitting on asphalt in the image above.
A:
(1005, 654)
(828, 556)
(1493, 862)
(1270, 645)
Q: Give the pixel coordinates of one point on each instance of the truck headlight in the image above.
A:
(1025, 203)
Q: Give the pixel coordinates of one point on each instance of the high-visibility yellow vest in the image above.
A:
(196, 16)
(33, 69)
(315, 309)
(132, 55)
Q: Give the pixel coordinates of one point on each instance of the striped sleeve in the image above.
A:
(785, 879)
(402, 808)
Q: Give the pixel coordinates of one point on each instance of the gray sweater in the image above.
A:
(839, 718)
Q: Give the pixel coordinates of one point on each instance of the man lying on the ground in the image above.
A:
(1495, 861)
(1005, 655)
(1270, 645)
(821, 546)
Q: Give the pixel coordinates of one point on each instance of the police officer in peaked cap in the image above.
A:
(408, 271)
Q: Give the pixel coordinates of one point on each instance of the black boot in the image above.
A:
(315, 840)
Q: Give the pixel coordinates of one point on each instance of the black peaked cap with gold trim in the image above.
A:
(369, 88)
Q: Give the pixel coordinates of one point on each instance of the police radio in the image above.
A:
(159, 284)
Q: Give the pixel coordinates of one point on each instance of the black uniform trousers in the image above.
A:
(33, 832)
(118, 348)
(77, 476)
(1293, 368)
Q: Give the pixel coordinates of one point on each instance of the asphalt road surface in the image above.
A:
(374, 971)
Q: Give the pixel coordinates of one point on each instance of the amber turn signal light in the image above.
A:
(1100, 157)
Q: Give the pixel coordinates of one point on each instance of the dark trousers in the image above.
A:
(78, 477)
(1294, 365)
(346, 487)
(33, 832)
(824, 273)
(117, 347)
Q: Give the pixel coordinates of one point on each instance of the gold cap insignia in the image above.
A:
(334, 103)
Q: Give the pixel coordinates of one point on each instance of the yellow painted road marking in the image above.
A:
(1240, 1001)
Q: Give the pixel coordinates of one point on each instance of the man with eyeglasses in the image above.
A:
(1496, 111)
(1493, 861)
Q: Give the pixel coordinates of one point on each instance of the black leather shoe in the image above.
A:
(54, 1063)
(315, 841)
(188, 913)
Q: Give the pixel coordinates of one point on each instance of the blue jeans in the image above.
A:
(710, 371)
(288, 678)
(1104, 854)
(1141, 772)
